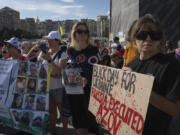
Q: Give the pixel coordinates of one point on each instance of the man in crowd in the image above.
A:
(115, 44)
(56, 88)
(14, 49)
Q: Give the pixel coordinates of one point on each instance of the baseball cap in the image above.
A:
(53, 35)
(14, 41)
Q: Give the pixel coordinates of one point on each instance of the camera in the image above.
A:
(43, 47)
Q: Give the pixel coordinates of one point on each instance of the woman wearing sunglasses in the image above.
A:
(164, 103)
(82, 55)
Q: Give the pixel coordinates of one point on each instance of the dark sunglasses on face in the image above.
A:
(35, 51)
(82, 31)
(4, 51)
(154, 35)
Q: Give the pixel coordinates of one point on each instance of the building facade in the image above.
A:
(9, 18)
(124, 12)
(92, 25)
(102, 25)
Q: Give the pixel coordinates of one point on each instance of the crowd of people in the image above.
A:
(147, 52)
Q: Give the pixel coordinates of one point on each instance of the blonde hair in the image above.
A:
(74, 42)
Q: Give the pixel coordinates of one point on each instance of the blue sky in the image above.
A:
(59, 9)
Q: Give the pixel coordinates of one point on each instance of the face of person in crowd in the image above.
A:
(81, 33)
(33, 70)
(71, 77)
(35, 52)
(147, 40)
(12, 50)
(5, 53)
(102, 45)
(18, 100)
(53, 43)
(116, 41)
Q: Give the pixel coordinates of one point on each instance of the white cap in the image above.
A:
(53, 35)
(14, 41)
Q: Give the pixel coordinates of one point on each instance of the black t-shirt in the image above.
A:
(84, 60)
(165, 69)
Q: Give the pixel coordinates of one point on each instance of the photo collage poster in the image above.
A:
(30, 103)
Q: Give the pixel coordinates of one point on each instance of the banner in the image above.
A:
(119, 99)
(24, 95)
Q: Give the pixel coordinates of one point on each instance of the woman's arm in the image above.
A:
(165, 105)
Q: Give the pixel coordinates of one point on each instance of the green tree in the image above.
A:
(106, 32)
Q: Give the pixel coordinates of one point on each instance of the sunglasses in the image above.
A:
(4, 51)
(154, 35)
(35, 51)
(82, 31)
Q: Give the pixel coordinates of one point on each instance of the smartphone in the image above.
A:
(43, 47)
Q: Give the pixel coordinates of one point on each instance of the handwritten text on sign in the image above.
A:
(119, 99)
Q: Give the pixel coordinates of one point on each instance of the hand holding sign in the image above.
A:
(119, 99)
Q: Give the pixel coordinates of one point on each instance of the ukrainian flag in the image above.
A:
(60, 28)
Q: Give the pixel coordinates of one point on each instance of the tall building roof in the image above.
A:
(8, 9)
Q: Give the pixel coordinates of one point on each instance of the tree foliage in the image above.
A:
(6, 34)
(106, 32)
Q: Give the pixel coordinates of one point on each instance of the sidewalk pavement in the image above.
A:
(71, 130)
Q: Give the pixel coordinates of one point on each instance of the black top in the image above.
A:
(165, 69)
(84, 59)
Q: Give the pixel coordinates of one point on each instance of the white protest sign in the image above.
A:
(5, 72)
(119, 99)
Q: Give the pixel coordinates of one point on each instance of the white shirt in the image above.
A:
(114, 47)
(55, 83)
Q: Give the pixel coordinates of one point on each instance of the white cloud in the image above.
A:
(69, 1)
(45, 6)
(108, 13)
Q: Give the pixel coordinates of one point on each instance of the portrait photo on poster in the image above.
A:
(73, 81)
(43, 71)
(38, 119)
(41, 103)
(42, 87)
(26, 117)
(22, 68)
(17, 101)
(33, 70)
(31, 86)
(15, 115)
(29, 102)
(20, 84)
